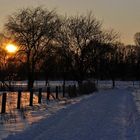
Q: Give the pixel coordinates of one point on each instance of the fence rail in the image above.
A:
(17, 99)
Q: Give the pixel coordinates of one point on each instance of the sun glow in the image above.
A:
(11, 48)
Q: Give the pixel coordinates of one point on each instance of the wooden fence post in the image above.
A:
(19, 99)
(59, 88)
(56, 90)
(31, 97)
(63, 90)
(74, 90)
(39, 95)
(69, 90)
(3, 109)
(48, 93)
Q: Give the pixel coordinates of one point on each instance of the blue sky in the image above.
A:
(121, 15)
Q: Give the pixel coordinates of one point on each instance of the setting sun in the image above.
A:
(11, 48)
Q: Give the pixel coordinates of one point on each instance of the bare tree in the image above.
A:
(109, 53)
(6, 64)
(137, 42)
(33, 29)
(137, 38)
(74, 39)
(63, 39)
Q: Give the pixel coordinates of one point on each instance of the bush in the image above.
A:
(87, 88)
(72, 91)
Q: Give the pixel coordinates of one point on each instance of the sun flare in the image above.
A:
(11, 48)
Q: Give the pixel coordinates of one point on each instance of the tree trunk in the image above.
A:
(113, 82)
(80, 82)
(31, 71)
(30, 81)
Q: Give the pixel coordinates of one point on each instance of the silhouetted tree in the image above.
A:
(7, 63)
(65, 57)
(108, 54)
(33, 29)
(137, 42)
(74, 37)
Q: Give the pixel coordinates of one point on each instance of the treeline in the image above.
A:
(51, 46)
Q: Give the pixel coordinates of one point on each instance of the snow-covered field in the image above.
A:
(109, 114)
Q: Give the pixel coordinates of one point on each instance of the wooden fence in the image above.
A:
(55, 95)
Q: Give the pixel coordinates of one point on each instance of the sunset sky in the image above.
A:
(121, 15)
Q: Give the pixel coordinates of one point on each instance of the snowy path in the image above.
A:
(107, 115)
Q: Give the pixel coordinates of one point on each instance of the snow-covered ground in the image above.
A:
(15, 121)
(106, 115)
(110, 114)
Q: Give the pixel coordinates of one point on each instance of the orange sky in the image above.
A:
(121, 15)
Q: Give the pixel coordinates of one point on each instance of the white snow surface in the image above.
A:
(111, 114)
